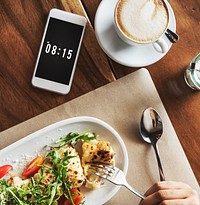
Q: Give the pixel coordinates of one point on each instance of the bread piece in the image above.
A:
(93, 152)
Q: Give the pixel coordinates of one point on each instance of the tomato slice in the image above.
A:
(5, 169)
(33, 167)
(77, 198)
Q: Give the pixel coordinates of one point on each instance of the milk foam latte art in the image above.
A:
(141, 21)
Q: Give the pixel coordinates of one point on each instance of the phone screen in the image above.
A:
(59, 51)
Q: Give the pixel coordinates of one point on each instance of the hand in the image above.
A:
(170, 193)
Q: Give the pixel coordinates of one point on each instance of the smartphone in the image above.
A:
(59, 50)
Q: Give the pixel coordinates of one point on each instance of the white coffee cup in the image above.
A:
(141, 22)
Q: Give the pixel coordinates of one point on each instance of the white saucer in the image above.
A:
(115, 48)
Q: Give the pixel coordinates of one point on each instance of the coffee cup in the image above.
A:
(141, 22)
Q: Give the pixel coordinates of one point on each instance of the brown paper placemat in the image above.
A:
(120, 104)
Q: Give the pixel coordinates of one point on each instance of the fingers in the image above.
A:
(162, 185)
(170, 193)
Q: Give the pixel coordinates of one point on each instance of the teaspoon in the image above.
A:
(173, 37)
(151, 129)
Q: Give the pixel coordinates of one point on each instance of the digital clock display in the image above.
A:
(59, 51)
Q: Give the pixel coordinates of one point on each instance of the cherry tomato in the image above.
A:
(33, 167)
(4, 170)
(77, 198)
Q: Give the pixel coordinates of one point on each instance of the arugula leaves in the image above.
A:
(74, 137)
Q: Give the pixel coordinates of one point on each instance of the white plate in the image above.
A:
(33, 144)
(115, 48)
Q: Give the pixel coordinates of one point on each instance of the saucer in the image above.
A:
(115, 48)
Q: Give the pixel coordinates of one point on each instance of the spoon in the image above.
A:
(173, 37)
(151, 129)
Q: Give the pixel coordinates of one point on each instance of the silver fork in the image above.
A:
(113, 175)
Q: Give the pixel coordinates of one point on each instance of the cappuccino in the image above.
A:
(142, 21)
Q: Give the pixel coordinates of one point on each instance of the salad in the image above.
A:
(56, 177)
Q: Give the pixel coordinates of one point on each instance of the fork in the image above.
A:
(113, 175)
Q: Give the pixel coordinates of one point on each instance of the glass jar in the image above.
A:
(192, 73)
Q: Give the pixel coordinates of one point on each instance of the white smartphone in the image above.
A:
(59, 50)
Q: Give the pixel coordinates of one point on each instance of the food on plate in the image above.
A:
(66, 159)
(56, 177)
(95, 151)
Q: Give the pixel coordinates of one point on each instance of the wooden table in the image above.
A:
(21, 28)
